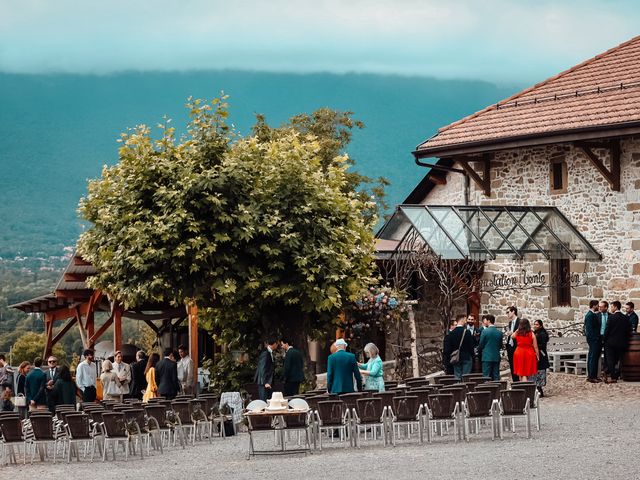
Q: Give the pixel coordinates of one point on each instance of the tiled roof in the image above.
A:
(601, 92)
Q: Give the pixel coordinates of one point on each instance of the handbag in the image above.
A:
(20, 400)
(454, 359)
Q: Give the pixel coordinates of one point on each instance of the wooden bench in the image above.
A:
(567, 349)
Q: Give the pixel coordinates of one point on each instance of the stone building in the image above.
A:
(562, 159)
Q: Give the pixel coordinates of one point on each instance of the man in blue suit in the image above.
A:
(342, 368)
(489, 347)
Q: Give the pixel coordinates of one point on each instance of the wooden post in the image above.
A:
(414, 336)
(117, 327)
(192, 309)
(48, 325)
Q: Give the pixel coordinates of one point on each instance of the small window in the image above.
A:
(558, 176)
(560, 282)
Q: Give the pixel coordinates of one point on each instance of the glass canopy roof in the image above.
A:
(483, 232)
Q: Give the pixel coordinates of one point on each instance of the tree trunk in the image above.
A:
(414, 347)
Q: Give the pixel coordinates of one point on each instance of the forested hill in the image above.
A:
(57, 131)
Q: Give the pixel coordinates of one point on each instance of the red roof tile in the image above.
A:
(602, 91)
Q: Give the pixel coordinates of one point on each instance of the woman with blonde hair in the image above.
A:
(109, 380)
(150, 375)
(372, 370)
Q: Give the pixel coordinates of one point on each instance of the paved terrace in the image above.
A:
(589, 431)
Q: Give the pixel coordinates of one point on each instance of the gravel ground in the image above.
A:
(588, 431)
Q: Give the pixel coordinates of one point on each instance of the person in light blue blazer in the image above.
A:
(489, 347)
(342, 368)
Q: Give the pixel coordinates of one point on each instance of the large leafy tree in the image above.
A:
(269, 232)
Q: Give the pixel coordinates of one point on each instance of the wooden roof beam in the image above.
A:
(612, 174)
(484, 182)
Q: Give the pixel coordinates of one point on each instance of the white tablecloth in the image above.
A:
(234, 400)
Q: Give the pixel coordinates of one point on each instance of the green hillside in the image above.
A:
(59, 130)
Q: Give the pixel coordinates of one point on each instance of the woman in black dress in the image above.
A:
(542, 337)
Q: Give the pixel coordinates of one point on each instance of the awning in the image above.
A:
(482, 232)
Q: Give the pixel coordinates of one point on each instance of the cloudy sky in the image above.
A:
(505, 41)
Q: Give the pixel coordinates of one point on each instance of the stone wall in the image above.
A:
(609, 220)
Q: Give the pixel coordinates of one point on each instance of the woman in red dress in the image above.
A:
(525, 358)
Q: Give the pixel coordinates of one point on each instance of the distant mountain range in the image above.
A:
(57, 131)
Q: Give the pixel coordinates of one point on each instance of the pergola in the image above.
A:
(75, 304)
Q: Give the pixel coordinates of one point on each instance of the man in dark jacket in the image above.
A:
(35, 386)
(616, 340)
(459, 338)
(167, 376)
(293, 368)
(138, 380)
(594, 340)
(264, 372)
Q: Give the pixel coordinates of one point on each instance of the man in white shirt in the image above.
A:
(86, 375)
(123, 371)
(185, 370)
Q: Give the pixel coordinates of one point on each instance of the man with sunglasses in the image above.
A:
(52, 375)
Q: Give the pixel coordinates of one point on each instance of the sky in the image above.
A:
(502, 41)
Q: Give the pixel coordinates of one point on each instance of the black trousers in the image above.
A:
(89, 394)
(291, 389)
(510, 352)
(612, 356)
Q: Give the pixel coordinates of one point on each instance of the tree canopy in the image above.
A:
(243, 225)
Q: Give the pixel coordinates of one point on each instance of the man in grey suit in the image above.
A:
(489, 347)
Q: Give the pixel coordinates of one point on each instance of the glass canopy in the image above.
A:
(483, 232)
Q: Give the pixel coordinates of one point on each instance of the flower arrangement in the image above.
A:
(374, 311)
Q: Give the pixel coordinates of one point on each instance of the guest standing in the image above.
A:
(342, 369)
(86, 377)
(35, 385)
(594, 340)
(123, 371)
(542, 338)
(603, 317)
(460, 339)
(446, 354)
(52, 377)
(489, 347)
(185, 371)
(138, 381)
(514, 323)
(23, 371)
(293, 368)
(64, 390)
(373, 370)
(150, 374)
(110, 382)
(633, 316)
(264, 371)
(167, 376)
(525, 356)
(616, 341)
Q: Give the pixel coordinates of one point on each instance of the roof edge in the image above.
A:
(531, 140)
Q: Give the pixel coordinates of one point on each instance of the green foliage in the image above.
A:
(227, 374)
(245, 226)
(31, 345)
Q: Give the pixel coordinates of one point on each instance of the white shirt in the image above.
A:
(123, 372)
(185, 370)
(86, 375)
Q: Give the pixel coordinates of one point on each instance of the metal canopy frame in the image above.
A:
(484, 232)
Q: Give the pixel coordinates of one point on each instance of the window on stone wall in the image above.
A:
(558, 175)
(560, 282)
